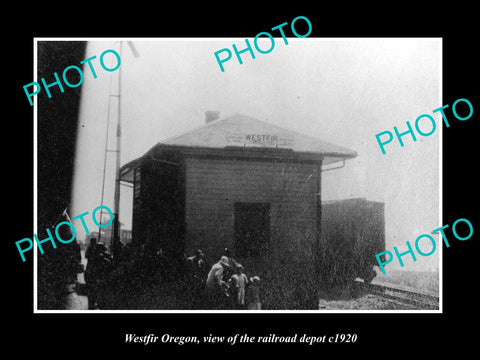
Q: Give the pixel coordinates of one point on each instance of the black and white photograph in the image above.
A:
(279, 186)
(262, 187)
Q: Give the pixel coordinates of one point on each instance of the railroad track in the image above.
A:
(412, 298)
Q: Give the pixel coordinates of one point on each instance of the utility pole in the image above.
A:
(115, 242)
(116, 204)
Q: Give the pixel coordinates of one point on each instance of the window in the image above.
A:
(136, 183)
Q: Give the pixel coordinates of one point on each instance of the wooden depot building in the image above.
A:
(243, 184)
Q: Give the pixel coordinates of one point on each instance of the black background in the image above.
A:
(378, 334)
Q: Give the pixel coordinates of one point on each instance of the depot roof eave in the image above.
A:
(243, 136)
(155, 153)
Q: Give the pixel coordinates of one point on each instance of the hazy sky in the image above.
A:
(343, 91)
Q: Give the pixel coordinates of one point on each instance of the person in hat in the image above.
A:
(216, 287)
(232, 263)
(195, 278)
(196, 265)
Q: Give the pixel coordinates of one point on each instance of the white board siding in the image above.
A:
(214, 185)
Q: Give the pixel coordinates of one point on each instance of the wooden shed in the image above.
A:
(239, 183)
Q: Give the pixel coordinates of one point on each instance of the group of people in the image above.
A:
(224, 286)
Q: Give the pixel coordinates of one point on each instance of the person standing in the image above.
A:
(92, 249)
(254, 294)
(103, 281)
(216, 289)
(239, 283)
(232, 263)
(195, 278)
(196, 265)
(91, 272)
(98, 267)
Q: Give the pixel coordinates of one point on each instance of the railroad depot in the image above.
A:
(243, 184)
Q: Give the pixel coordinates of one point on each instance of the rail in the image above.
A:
(412, 297)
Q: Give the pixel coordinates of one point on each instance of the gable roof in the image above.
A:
(245, 131)
(241, 131)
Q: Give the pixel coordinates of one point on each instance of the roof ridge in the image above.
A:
(244, 123)
(190, 131)
(312, 138)
(203, 126)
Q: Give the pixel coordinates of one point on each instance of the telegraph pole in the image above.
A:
(115, 242)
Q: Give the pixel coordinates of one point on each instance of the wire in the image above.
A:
(105, 155)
